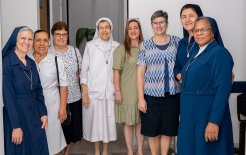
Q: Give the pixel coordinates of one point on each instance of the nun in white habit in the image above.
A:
(98, 88)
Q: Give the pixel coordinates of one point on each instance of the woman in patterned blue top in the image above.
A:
(158, 98)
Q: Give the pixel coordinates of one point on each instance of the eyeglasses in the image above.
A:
(60, 35)
(161, 23)
(104, 28)
(202, 30)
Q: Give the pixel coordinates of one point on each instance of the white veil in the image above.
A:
(96, 35)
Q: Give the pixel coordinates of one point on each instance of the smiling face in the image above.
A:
(60, 38)
(203, 32)
(159, 25)
(41, 43)
(104, 30)
(188, 18)
(24, 41)
(133, 31)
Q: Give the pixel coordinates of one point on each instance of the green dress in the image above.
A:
(127, 112)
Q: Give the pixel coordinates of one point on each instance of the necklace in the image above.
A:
(29, 77)
(106, 55)
(188, 51)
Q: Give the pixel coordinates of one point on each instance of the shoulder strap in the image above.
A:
(57, 71)
(76, 57)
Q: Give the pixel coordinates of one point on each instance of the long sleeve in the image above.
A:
(85, 66)
(178, 67)
(222, 77)
(9, 100)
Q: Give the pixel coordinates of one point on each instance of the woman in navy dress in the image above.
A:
(187, 46)
(24, 111)
(205, 121)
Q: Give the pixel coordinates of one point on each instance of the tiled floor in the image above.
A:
(115, 148)
(87, 148)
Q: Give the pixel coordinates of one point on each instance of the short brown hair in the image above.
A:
(40, 31)
(60, 25)
(159, 13)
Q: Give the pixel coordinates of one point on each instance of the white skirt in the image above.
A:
(54, 132)
(99, 121)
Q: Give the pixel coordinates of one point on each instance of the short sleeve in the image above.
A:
(79, 57)
(62, 73)
(119, 57)
(142, 57)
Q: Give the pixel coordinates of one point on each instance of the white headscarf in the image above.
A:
(96, 35)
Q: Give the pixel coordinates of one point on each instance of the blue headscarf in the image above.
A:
(216, 31)
(11, 43)
(198, 11)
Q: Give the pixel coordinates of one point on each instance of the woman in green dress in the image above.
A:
(125, 83)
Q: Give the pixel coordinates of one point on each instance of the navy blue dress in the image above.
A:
(185, 51)
(23, 107)
(207, 82)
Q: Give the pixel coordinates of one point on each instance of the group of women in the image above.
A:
(137, 83)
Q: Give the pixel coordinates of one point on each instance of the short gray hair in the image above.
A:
(25, 29)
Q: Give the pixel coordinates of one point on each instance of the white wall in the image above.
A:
(18, 13)
(14, 13)
(230, 16)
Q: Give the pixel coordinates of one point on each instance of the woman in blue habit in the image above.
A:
(24, 112)
(205, 121)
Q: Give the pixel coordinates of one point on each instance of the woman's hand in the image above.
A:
(17, 136)
(62, 114)
(211, 132)
(142, 105)
(86, 101)
(118, 97)
(44, 120)
(178, 76)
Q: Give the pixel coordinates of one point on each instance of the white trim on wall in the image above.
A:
(1, 98)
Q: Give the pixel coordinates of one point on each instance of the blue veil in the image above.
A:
(11, 43)
(216, 31)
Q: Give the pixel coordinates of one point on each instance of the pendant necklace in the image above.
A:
(106, 57)
(29, 77)
(188, 51)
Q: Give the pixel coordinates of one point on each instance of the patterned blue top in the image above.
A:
(158, 63)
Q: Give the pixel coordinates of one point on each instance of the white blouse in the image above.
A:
(97, 69)
(71, 67)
